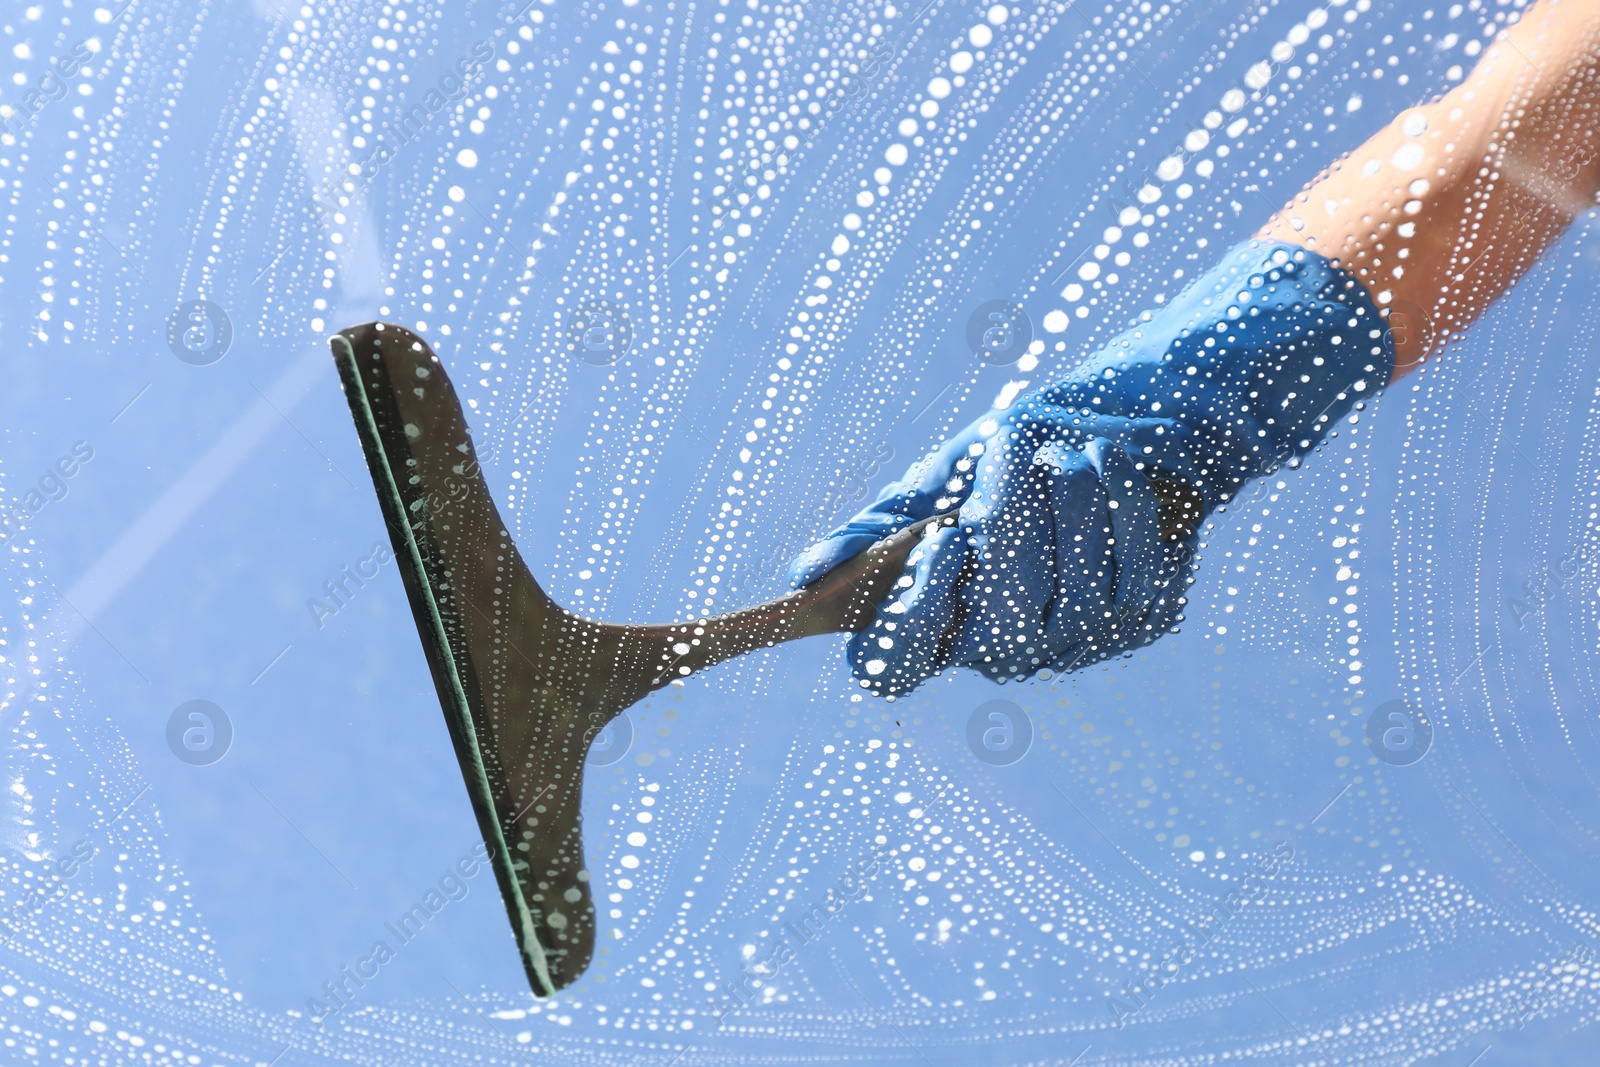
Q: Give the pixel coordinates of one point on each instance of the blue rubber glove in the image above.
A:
(1056, 560)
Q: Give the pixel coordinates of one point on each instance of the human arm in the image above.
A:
(1442, 210)
(1425, 225)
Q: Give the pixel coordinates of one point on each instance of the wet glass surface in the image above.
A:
(705, 278)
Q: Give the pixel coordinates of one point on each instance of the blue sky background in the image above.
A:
(221, 498)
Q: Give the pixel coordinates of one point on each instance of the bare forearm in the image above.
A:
(1446, 207)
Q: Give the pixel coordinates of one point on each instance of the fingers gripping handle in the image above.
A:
(1059, 558)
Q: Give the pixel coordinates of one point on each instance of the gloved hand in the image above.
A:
(1057, 559)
